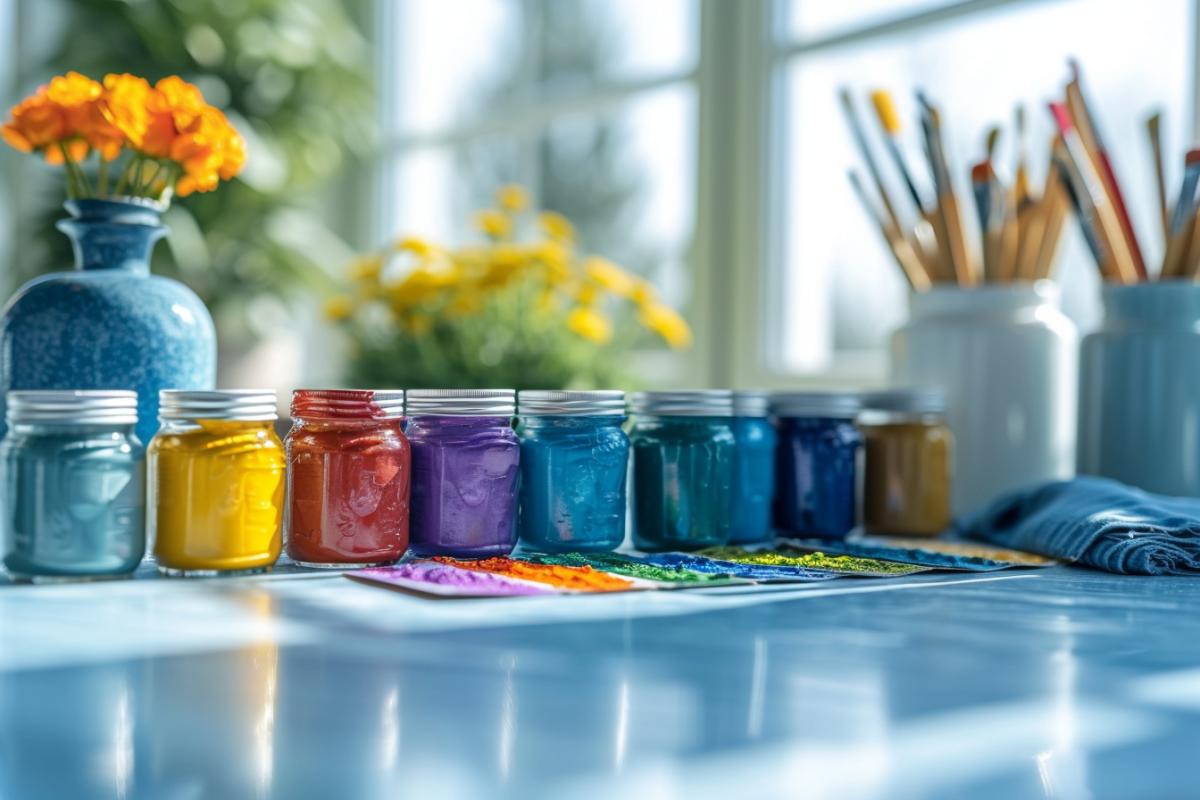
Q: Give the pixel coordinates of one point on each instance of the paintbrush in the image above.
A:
(983, 188)
(860, 139)
(1076, 192)
(901, 249)
(1178, 242)
(1154, 133)
(1093, 143)
(949, 216)
(889, 121)
(1092, 200)
(1055, 206)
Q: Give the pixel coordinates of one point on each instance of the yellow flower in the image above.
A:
(512, 198)
(418, 324)
(590, 324)
(339, 307)
(609, 276)
(411, 244)
(556, 226)
(587, 294)
(493, 223)
(464, 304)
(556, 259)
(643, 292)
(668, 324)
(366, 267)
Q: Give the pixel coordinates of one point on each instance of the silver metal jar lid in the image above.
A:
(694, 403)
(907, 400)
(348, 403)
(247, 405)
(824, 405)
(535, 402)
(751, 403)
(462, 402)
(78, 407)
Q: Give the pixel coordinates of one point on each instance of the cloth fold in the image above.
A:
(1097, 522)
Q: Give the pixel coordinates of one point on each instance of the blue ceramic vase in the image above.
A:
(109, 324)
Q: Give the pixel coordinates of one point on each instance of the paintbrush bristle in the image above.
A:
(991, 139)
(1192, 158)
(885, 109)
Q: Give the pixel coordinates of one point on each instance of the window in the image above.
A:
(591, 104)
(700, 143)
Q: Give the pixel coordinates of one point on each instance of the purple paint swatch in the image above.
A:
(464, 486)
(441, 579)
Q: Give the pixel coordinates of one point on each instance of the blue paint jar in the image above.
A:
(574, 463)
(684, 452)
(754, 468)
(818, 463)
(74, 497)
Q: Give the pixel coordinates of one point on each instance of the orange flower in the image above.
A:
(79, 97)
(126, 106)
(209, 150)
(35, 122)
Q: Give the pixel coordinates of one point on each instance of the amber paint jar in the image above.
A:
(909, 460)
(350, 468)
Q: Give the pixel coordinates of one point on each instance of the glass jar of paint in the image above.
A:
(909, 459)
(574, 464)
(465, 472)
(74, 501)
(818, 465)
(216, 474)
(349, 469)
(684, 454)
(754, 468)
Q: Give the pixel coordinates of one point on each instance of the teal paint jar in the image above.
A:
(574, 464)
(74, 485)
(754, 468)
(684, 454)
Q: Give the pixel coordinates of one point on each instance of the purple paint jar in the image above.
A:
(465, 472)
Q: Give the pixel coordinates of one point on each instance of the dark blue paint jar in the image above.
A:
(73, 478)
(574, 464)
(684, 454)
(754, 468)
(818, 463)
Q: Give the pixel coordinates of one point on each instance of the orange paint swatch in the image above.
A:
(580, 579)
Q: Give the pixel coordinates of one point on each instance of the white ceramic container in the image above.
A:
(1006, 358)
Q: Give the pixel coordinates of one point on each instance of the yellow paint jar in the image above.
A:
(908, 453)
(216, 483)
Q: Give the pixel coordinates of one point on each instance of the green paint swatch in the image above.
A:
(847, 565)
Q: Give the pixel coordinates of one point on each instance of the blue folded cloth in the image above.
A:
(1098, 522)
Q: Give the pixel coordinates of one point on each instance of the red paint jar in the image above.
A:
(349, 471)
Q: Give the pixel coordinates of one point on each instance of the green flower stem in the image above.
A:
(75, 187)
(103, 176)
(132, 166)
(144, 189)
